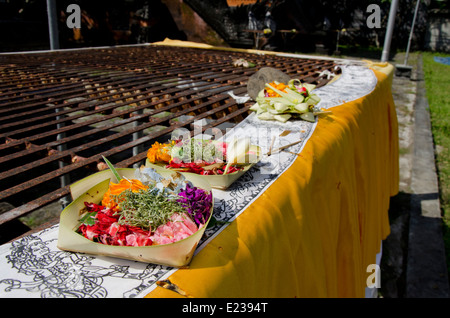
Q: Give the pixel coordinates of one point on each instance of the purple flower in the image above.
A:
(197, 202)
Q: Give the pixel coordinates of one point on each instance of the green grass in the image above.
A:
(437, 83)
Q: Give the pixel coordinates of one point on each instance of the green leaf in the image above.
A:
(280, 107)
(114, 171)
(302, 107)
(308, 117)
(313, 99)
(266, 116)
(294, 82)
(88, 218)
(288, 102)
(309, 87)
(255, 107)
(283, 118)
(290, 95)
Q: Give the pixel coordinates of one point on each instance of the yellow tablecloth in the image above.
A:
(315, 230)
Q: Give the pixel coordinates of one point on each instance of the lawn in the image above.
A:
(437, 83)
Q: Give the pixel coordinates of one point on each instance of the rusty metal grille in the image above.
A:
(61, 111)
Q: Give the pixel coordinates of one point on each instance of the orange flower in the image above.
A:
(118, 188)
(159, 152)
(272, 93)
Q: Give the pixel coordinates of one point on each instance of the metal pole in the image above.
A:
(389, 31)
(411, 33)
(52, 24)
(64, 179)
(136, 136)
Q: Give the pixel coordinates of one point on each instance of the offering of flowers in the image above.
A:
(143, 211)
(205, 157)
(280, 101)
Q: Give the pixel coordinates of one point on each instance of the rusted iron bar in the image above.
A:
(60, 112)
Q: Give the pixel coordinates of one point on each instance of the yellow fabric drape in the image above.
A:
(315, 230)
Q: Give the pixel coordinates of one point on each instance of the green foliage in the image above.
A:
(114, 171)
(88, 218)
(439, 4)
(146, 209)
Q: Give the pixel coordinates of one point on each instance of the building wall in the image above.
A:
(437, 37)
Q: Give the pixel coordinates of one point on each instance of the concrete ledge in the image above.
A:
(426, 274)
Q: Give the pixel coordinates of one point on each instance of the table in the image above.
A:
(61, 111)
(307, 228)
(317, 228)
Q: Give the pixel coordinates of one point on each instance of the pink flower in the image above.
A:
(113, 229)
(179, 227)
(138, 239)
(90, 234)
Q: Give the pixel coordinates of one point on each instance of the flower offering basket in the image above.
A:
(221, 182)
(92, 189)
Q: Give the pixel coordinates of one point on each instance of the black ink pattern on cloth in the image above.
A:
(62, 274)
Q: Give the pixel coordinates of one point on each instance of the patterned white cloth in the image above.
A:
(34, 267)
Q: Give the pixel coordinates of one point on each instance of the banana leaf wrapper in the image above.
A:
(91, 189)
